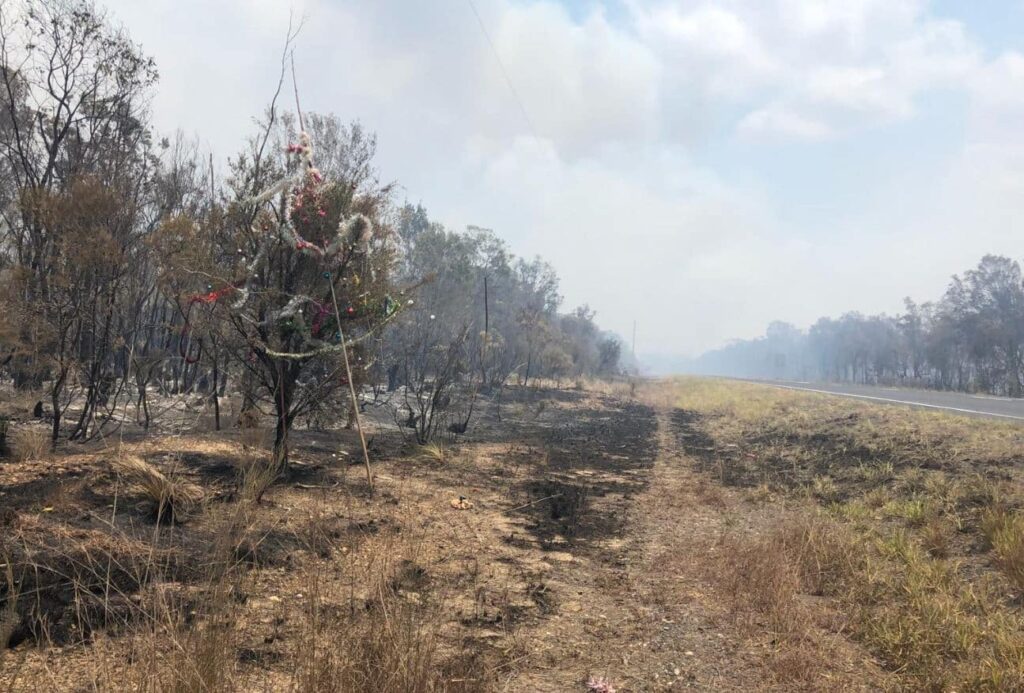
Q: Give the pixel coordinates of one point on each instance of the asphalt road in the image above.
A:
(956, 402)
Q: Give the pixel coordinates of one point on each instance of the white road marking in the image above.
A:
(900, 401)
(995, 397)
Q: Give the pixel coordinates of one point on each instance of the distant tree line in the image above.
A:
(971, 339)
(130, 271)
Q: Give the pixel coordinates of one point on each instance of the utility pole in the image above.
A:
(635, 365)
(486, 341)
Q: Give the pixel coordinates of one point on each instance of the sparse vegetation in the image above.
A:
(900, 503)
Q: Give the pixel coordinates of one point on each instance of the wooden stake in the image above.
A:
(351, 386)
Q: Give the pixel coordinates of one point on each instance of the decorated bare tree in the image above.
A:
(298, 264)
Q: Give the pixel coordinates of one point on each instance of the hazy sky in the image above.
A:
(700, 167)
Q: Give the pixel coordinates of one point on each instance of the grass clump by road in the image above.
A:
(1004, 531)
(906, 522)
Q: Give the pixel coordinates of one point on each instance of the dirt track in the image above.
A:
(644, 614)
(649, 612)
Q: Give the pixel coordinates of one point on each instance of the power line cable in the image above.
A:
(504, 72)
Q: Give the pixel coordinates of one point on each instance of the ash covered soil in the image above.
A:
(564, 540)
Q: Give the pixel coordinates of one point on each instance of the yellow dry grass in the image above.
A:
(893, 504)
(170, 496)
(737, 405)
(28, 443)
(434, 452)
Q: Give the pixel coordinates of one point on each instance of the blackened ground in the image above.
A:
(692, 440)
(596, 459)
(782, 458)
(580, 459)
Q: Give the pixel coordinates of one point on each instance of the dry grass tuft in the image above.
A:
(396, 649)
(9, 617)
(435, 453)
(255, 439)
(376, 640)
(766, 578)
(29, 443)
(824, 488)
(170, 497)
(1004, 531)
(179, 659)
(256, 477)
(936, 535)
(759, 579)
(911, 608)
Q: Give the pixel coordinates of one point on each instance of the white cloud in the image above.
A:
(776, 121)
(582, 85)
(938, 53)
(841, 64)
(862, 89)
(850, 25)
(985, 184)
(708, 31)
